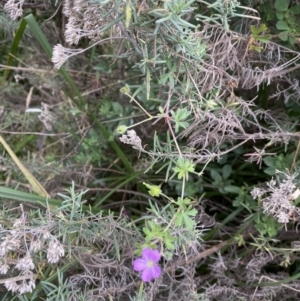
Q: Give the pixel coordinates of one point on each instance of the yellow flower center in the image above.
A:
(150, 264)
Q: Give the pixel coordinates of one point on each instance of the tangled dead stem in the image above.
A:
(216, 70)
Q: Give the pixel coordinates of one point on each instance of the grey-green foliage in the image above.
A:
(60, 291)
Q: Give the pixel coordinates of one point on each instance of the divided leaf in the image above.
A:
(282, 5)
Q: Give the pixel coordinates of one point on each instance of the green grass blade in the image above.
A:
(13, 49)
(20, 196)
(122, 184)
(37, 32)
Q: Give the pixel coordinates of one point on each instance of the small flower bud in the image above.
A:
(121, 129)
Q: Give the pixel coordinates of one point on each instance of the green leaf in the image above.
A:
(282, 25)
(256, 48)
(169, 240)
(266, 225)
(270, 171)
(216, 176)
(226, 171)
(292, 40)
(102, 66)
(295, 9)
(117, 108)
(279, 15)
(282, 5)
(211, 104)
(284, 35)
(179, 117)
(291, 21)
(183, 203)
(257, 31)
(233, 189)
(269, 161)
(184, 217)
(184, 166)
(265, 39)
(154, 231)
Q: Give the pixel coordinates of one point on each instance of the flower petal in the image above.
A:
(147, 275)
(139, 265)
(149, 254)
(156, 271)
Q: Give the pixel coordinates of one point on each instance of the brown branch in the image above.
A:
(206, 252)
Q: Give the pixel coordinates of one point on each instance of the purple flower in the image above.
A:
(148, 264)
